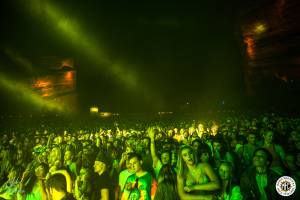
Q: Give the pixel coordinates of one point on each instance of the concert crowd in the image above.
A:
(227, 158)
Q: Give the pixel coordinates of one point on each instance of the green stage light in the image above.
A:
(83, 42)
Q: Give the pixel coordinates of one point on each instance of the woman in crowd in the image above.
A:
(230, 190)
(194, 180)
(167, 184)
(85, 138)
(83, 184)
(276, 150)
(32, 185)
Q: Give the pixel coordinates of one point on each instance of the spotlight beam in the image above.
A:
(85, 44)
(26, 95)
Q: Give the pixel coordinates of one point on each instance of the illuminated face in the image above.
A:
(170, 133)
(217, 146)
(68, 156)
(224, 172)
(251, 139)
(83, 174)
(12, 175)
(260, 159)
(99, 167)
(214, 129)
(187, 156)
(201, 128)
(136, 165)
(196, 144)
(40, 172)
(128, 165)
(58, 140)
(165, 158)
(269, 137)
(181, 131)
(129, 149)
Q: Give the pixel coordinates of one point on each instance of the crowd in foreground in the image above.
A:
(225, 159)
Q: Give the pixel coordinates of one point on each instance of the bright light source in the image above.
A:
(94, 109)
(260, 28)
(105, 114)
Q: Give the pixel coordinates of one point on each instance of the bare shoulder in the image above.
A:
(203, 166)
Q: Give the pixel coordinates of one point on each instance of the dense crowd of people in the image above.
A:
(230, 158)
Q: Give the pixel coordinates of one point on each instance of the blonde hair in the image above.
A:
(181, 165)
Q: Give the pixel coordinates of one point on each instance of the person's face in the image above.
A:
(99, 167)
(251, 139)
(170, 133)
(201, 127)
(129, 149)
(185, 134)
(43, 157)
(165, 158)
(260, 159)
(54, 155)
(40, 172)
(269, 137)
(12, 175)
(214, 129)
(204, 157)
(128, 165)
(187, 156)
(196, 145)
(83, 174)
(217, 146)
(58, 140)
(295, 136)
(181, 131)
(68, 156)
(19, 155)
(136, 165)
(224, 172)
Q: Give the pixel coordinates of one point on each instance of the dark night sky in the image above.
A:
(179, 52)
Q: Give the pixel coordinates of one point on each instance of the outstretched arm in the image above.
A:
(151, 133)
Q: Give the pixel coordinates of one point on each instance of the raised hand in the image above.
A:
(151, 133)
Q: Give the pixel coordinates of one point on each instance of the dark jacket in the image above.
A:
(249, 186)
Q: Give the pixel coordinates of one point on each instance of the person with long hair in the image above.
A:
(166, 188)
(195, 180)
(229, 189)
(278, 153)
(32, 184)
